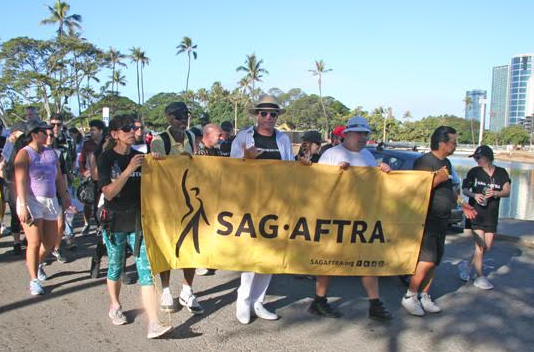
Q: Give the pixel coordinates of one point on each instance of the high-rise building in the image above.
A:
(499, 98)
(521, 94)
(476, 105)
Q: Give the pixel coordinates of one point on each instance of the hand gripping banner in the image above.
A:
(271, 216)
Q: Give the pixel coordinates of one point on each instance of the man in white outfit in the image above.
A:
(261, 141)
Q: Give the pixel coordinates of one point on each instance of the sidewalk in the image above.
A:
(517, 231)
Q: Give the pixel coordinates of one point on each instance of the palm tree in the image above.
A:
(407, 115)
(135, 56)
(115, 58)
(254, 71)
(468, 105)
(118, 79)
(319, 71)
(186, 46)
(58, 14)
(145, 60)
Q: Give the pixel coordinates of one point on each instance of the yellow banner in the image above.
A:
(272, 216)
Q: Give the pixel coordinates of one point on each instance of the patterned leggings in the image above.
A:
(116, 253)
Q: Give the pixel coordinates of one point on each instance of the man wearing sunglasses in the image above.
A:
(175, 140)
(261, 141)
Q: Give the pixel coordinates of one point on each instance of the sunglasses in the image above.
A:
(180, 117)
(129, 128)
(59, 124)
(273, 114)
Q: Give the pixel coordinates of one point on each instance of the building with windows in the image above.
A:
(475, 106)
(521, 91)
(499, 98)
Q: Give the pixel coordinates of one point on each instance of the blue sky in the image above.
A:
(412, 55)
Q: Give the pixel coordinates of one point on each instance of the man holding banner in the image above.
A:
(261, 141)
(351, 152)
(443, 199)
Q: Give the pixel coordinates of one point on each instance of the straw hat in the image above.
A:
(266, 103)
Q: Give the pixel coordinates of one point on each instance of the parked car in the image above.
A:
(402, 159)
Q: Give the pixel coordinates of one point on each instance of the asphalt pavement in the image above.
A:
(72, 315)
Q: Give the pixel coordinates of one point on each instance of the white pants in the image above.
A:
(253, 287)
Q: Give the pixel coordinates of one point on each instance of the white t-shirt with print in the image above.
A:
(338, 154)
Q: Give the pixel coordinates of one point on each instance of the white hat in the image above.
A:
(357, 124)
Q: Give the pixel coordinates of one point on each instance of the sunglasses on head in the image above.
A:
(129, 128)
(273, 114)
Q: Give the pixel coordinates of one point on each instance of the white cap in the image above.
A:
(357, 124)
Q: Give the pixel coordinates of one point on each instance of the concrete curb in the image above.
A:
(516, 240)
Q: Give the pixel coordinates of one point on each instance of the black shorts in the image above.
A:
(433, 245)
(492, 228)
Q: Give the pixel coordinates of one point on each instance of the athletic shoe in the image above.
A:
(116, 316)
(204, 271)
(189, 300)
(69, 242)
(379, 312)
(41, 275)
(166, 302)
(17, 249)
(36, 288)
(59, 256)
(86, 230)
(412, 305)
(323, 309)
(4, 231)
(483, 283)
(428, 305)
(465, 270)
(242, 312)
(156, 329)
(261, 312)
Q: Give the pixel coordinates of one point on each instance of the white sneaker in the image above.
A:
(202, 271)
(189, 300)
(412, 305)
(428, 305)
(156, 329)
(483, 283)
(465, 270)
(166, 302)
(261, 312)
(41, 275)
(242, 311)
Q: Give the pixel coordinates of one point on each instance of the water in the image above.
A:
(520, 204)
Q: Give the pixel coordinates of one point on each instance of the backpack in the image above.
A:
(167, 141)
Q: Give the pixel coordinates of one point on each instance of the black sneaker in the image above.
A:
(17, 249)
(323, 309)
(379, 311)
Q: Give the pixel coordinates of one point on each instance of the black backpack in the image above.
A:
(167, 141)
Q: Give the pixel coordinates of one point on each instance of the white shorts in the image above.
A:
(41, 207)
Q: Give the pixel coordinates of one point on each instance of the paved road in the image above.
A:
(72, 316)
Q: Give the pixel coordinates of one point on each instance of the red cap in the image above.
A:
(338, 131)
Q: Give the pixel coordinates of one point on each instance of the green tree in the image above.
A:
(114, 102)
(135, 56)
(114, 58)
(118, 79)
(59, 15)
(254, 72)
(319, 71)
(154, 110)
(468, 106)
(515, 135)
(187, 46)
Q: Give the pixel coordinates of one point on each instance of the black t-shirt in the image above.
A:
(268, 145)
(475, 181)
(226, 146)
(203, 150)
(442, 198)
(110, 166)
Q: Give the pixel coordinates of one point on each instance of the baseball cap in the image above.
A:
(312, 136)
(176, 107)
(483, 150)
(34, 124)
(227, 126)
(338, 131)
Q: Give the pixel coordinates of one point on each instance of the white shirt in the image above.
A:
(338, 154)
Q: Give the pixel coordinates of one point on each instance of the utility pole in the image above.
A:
(482, 104)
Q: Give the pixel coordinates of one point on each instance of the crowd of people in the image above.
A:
(41, 161)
